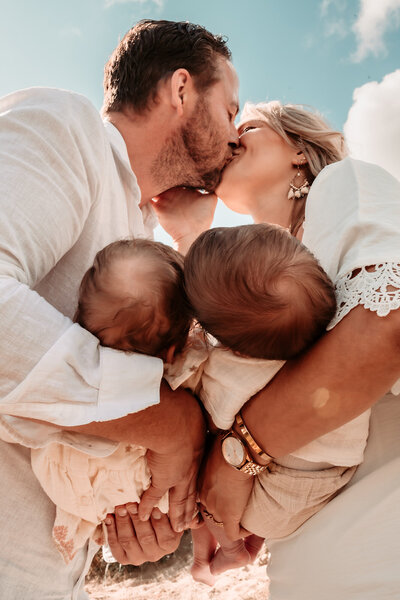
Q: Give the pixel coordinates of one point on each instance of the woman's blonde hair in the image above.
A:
(305, 130)
(302, 129)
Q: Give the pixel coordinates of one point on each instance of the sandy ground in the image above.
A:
(170, 579)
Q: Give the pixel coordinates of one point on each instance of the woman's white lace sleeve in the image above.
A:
(377, 290)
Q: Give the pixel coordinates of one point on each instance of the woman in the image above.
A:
(352, 220)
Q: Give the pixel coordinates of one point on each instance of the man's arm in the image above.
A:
(53, 158)
(174, 433)
(161, 427)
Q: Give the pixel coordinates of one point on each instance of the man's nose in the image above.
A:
(234, 139)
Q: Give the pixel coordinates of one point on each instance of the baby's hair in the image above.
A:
(133, 297)
(258, 290)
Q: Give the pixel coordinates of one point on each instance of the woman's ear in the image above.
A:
(299, 159)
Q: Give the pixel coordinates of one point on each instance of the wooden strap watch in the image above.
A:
(236, 454)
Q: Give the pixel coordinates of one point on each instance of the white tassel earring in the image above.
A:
(301, 191)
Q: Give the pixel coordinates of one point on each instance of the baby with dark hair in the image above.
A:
(258, 290)
(264, 298)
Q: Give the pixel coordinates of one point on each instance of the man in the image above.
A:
(70, 185)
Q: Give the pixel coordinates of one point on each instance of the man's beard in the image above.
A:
(192, 157)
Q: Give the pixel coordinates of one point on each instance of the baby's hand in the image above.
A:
(185, 213)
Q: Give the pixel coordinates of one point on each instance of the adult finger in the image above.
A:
(149, 499)
(196, 522)
(132, 507)
(147, 540)
(126, 537)
(167, 538)
(156, 513)
(112, 539)
(183, 505)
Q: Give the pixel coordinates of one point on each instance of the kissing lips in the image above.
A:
(234, 156)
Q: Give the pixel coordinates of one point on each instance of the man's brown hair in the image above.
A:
(133, 297)
(258, 290)
(153, 50)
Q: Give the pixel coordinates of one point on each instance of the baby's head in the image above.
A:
(133, 298)
(258, 290)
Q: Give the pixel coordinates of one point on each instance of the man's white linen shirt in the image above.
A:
(66, 190)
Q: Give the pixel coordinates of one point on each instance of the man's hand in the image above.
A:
(174, 465)
(224, 491)
(134, 542)
(176, 471)
(184, 214)
(173, 433)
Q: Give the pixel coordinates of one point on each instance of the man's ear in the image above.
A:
(181, 90)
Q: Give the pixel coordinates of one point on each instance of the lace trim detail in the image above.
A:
(370, 289)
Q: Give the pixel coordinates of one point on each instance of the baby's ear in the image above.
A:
(170, 354)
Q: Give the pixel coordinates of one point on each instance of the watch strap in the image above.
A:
(252, 468)
(250, 440)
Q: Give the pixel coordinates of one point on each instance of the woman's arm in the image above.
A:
(348, 370)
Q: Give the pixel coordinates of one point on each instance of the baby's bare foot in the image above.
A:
(226, 559)
(201, 572)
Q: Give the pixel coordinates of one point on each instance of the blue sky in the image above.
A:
(314, 52)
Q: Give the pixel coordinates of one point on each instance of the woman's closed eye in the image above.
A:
(246, 129)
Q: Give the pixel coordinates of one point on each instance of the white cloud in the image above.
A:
(372, 128)
(326, 5)
(334, 23)
(374, 19)
(158, 3)
(337, 27)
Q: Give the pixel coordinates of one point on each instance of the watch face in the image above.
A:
(233, 451)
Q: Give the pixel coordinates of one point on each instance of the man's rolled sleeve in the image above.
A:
(77, 381)
(132, 378)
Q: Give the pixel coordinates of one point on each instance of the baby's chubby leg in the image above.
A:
(208, 562)
(235, 554)
(204, 546)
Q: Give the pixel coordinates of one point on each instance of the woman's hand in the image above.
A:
(224, 491)
(185, 213)
(134, 542)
